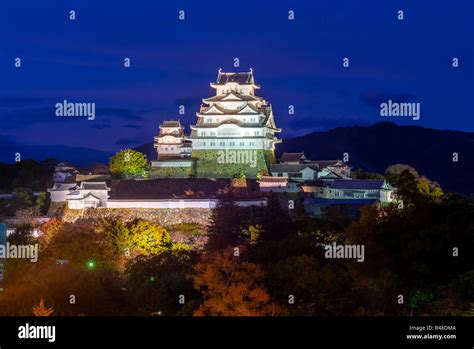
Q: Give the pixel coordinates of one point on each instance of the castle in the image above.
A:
(234, 135)
(231, 144)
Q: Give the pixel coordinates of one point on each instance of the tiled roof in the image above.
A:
(289, 168)
(178, 188)
(90, 195)
(63, 186)
(174, 133)
(314, 183)
(329, 174)
(244, 78)
(292, 157)
(64, 164)
(271, 179)
(324, 201)
(171, 123)
(357, 184)
(94, 186)
(325, 163)
(237, 97)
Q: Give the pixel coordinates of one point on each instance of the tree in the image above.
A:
(408, 188)
(419, 298)
(430, 189)
(149, 238)
(361, 174)
(41, 202)
(316, 289)
(50, 229)
(22, 235)
(225, 228)
(416, 190)
(296, 276)
(464, 285)
(42, 310)
(276, 223)
(157, 283)
(252, 233)
(81, 242)
(26, 215)
(393, 172)
(128, 163)
(231, 287)
(121, 236)
(23, 196)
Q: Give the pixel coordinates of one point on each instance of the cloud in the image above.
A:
(375, 98)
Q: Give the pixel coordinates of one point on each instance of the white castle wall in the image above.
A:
(163, 164)
(161, 203)
(181, 204)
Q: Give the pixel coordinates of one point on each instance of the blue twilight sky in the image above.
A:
(296, 62)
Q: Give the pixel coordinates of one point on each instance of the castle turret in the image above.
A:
(171, 143)
(234, 120)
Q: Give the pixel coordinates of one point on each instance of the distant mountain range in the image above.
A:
(78, 156)
(371, 148)
(375, 147)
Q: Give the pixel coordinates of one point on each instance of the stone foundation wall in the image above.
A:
(165, 217)
(56, 209)
(208, 166)
(172, 172)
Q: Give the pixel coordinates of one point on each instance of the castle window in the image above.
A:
(241, 144)
(213, 133)
(232, 144)
(209, 120)
(213, 144)
(222, 144)
(256, 133)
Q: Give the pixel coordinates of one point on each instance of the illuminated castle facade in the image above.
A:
(235, 117)
(234, 135)
(171, 143)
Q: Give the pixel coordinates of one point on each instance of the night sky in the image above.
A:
(296, 62)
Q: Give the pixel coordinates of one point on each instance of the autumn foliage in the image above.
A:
(232, 287)
(42, 310)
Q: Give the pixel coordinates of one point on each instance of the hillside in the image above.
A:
(375, 147)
